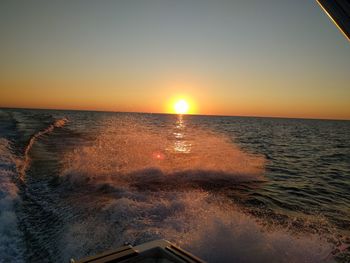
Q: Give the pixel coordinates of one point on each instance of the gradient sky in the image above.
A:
(244, 57)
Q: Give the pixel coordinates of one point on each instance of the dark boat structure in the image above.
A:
(339, 12)
(160, 251)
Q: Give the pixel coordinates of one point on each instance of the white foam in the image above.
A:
(11, 248)
(23, 166)
(196, 220)
(128, 154)
(125, 151)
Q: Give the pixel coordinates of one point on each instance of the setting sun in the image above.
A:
(181, 107)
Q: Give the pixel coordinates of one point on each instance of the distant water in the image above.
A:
(229, 189)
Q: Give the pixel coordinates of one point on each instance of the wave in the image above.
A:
(11, 247)
(128, 152)
(23, 166)
(196, 220)
(135, 184)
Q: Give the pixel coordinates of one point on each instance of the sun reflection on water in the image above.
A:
(181, 145)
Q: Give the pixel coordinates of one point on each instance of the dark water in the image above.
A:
(229, 189)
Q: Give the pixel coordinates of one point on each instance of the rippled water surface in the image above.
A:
(229, 189)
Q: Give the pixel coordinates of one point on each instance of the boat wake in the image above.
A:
(11, 247)
(127, 152)
(134, 184)
(23, 165)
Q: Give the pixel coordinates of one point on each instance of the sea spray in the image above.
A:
(11, 240)
(141, 186)
(126, 149)
(196, 220)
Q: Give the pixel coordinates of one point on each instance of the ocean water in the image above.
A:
(228, 189)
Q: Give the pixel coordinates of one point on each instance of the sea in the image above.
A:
(227, 189)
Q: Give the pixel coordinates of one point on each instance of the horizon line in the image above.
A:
(165, 113)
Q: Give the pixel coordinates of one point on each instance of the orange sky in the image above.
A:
(162, 97)
(128, 57)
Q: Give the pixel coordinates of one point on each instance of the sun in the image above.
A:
(181, 107)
